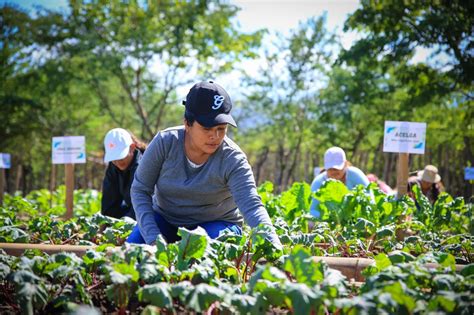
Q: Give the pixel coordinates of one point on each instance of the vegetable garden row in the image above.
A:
(245, 274)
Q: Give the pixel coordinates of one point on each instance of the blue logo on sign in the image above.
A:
(56, 144)
(80, 156)
(390, 129)
(418, 146)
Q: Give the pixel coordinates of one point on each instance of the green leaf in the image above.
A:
(266, 272)
(202, 296)
(193, 244)
(302, 266)
(468, 271)
(382, 261)
(398, 294)
(151, 310)
(364, 226)
(398, 257)
(11, 234)
(4, 271)
(447, 260)
(296, 201)
(128, 270)
(299, 297)
(162, 251)
(385, 232)
(250, 304)
(272, 291)
(445, 300)
(158, 294)
(33, 293)
(181, 290)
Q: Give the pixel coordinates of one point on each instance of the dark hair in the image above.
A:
(138, 143)
(189, 118)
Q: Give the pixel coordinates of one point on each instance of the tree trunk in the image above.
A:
(262, 159)
(19, 176)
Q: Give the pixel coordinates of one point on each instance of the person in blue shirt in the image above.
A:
(336, 167)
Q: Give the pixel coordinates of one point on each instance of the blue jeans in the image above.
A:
(170, 232)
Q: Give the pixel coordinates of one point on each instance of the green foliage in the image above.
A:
(401, 27)
(246, 273)
(296, 201)
(303, 268)
(193, 245)
(158, 294)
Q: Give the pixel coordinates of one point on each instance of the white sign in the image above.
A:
(5, 160)
(469, 173)
(404, 137)
(69, 150)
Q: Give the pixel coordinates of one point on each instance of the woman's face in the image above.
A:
(425, 185)
(124, 163)
(334, 173)
(205, 140)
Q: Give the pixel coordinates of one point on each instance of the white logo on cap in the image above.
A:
(218, 101)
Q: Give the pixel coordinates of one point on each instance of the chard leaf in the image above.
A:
(193, 244)
(202, 296)
(158, 294)
(302, 266)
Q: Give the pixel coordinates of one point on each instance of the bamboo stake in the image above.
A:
(351, 267)
(17, 249)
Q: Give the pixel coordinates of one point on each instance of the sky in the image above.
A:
(282, 16)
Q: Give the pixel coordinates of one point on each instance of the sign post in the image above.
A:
(404, 137)
(5, 162)
(69, 151)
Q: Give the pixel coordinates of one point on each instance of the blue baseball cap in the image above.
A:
(209, 104)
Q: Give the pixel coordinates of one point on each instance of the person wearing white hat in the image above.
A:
(122, 154)
(336, 167)
(429, 181)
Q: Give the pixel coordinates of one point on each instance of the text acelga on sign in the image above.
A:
(404, 137)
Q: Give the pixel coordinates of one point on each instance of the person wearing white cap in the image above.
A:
(336, 167)
(122, 153)
(429, 181)
(195, 176)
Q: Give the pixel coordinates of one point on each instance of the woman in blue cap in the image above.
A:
(194, 175)
(122, 153)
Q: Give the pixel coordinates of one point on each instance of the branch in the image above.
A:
(138, 107)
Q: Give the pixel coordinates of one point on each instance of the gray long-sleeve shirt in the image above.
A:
(166, 183)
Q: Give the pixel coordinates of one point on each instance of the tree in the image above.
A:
(121, 41)
(283, 99)
(395, 29)
(392, 31)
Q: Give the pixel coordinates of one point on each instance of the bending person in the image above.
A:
(194, 175)
(337, 167)
(122, 153)
(429, 182)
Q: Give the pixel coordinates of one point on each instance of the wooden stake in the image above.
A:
(52, 184)
(402, 174)
(69, 190)
(2, 184)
